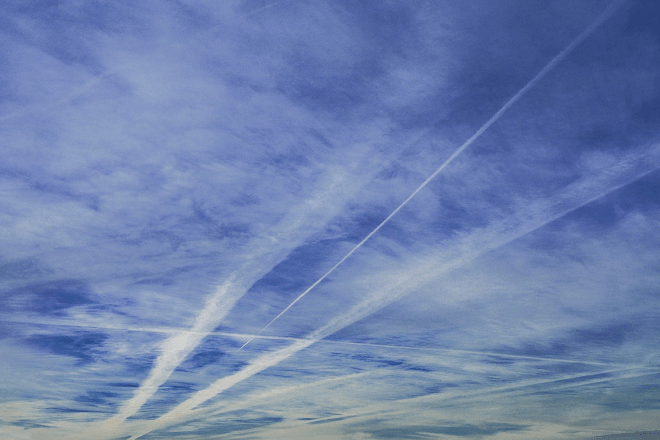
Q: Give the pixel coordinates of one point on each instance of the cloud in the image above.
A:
(80, 345)
(393, 285)
(420, 432)
(154, 153)
(459, 150)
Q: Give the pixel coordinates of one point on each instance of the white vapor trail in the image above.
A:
(266, 252)
(558, 58)
(242, 336)
(178, 347)
(573, 380)
(175, 349)
(395, 286)
(257, 398)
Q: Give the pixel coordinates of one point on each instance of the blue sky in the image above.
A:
(176, 175)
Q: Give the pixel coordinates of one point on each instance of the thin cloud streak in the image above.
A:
(172, 165)
(515, 98)
(269, 251)
(634, 371)
(170, 331)
(77, 92)
(536, 216)
(577, 380)
(222, 408)
(261, 397)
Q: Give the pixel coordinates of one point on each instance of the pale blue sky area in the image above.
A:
(176, 175)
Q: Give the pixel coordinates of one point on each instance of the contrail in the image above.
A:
(475, 352)
(371, 304)
(558, 58)
(575, 196)
(250, 401)
(589, 378)
(174, 350)
(413, 405)
(576, 380)
(177, 330)
(334, 188)
(221, 408)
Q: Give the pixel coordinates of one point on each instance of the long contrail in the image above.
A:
(259, 398)
(242, 336)
(373, 304)
(558, 58)
(576, 380)
(575, 196)
(262, 256)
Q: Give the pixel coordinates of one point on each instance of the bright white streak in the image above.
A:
(266, 252)
(558, 58)
(537, 215)
(252, 400)
(174, 350)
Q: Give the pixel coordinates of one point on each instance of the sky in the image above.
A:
(329, 219)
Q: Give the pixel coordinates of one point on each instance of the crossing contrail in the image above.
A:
(629, 169)
(558, 58)
(572, 381)
(379, 300)
(263, 255)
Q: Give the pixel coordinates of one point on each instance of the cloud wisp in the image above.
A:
(465, 196)
(419, 273)
(515, 98)
(244, 336)
(408, 408)
(263, 254)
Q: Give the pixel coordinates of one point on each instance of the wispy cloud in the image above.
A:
(396, 285)
(175, 174)
(264, 254)
(557, 59)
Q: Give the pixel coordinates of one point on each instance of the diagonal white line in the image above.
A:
(558, 58)
(572, 198)
(374, 303)
(263, 254)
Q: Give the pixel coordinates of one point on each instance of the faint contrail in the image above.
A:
(322, 204)
(559, 57)
(177, 330)
(589, 378)
(475, 352)
(219, 408)
(575, 196)
(372, 304)
(70, 96)
(586, 379)
(254, 399)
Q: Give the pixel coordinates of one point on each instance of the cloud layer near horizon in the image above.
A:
(175, 174)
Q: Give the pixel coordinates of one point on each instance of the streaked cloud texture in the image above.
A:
(176, 175)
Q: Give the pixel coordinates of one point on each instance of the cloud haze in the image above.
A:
(255, 219)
